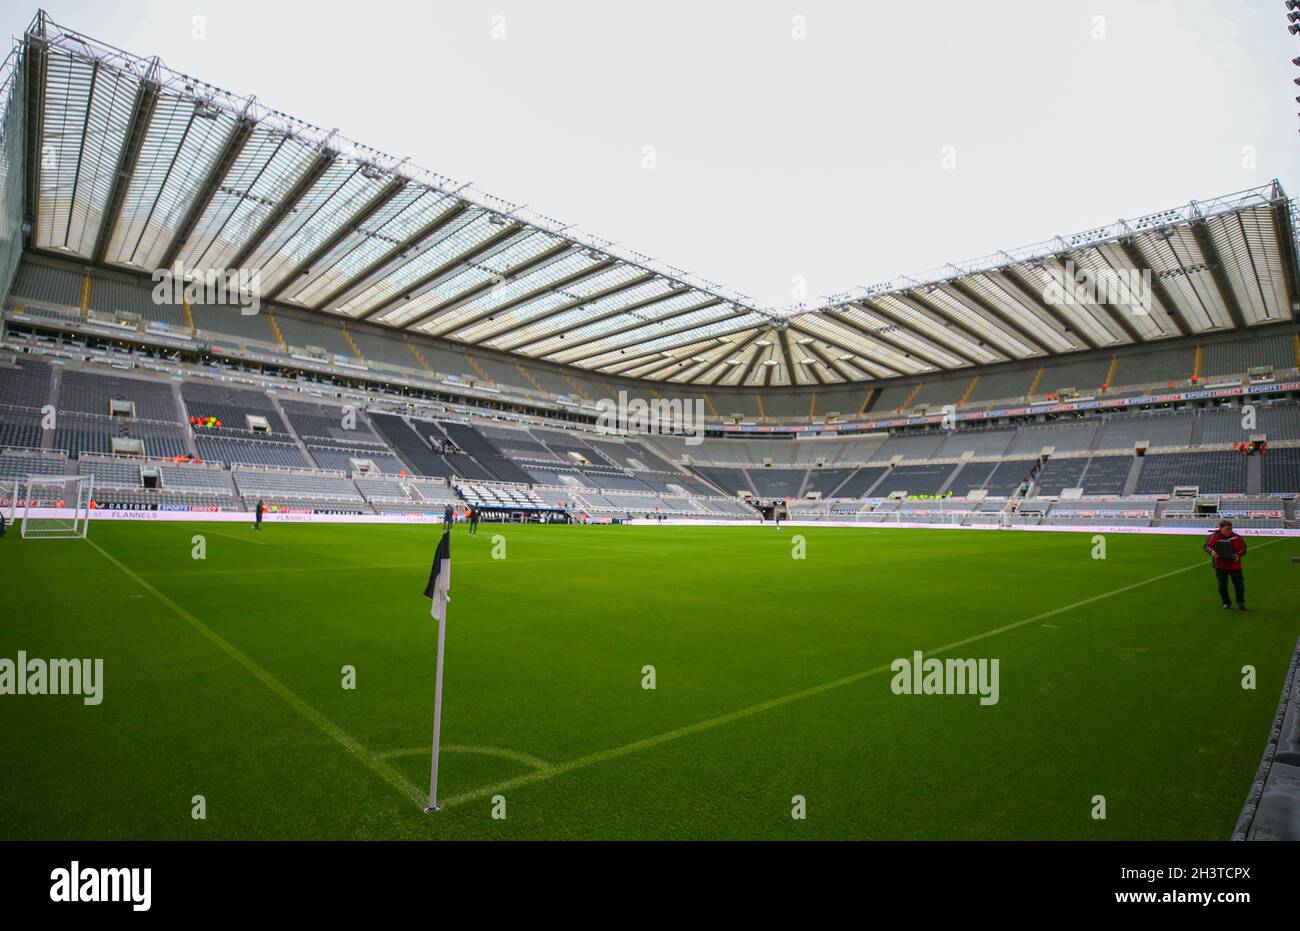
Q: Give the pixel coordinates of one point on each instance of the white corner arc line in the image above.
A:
(646, 743)
(517, 756)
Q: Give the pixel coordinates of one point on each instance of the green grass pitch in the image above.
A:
(223, 678)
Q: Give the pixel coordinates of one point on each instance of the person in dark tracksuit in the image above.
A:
(473, 520)
(1227, 548)
(448, 515)
(258, 515)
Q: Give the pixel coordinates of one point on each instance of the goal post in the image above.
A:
(54, 507)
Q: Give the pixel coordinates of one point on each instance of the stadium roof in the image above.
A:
(131, 165)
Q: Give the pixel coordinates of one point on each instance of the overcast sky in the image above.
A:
(788, 139)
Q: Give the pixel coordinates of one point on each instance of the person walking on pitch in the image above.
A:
(257, 515)
(1227, 548)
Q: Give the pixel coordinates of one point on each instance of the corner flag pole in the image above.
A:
(437, 718)
(438, 590)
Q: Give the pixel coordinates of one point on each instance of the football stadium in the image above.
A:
(1004, 551)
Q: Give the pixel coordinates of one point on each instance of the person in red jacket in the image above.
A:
(1227, 549)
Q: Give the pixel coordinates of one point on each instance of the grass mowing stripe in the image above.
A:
(373, 762)
(646, 743)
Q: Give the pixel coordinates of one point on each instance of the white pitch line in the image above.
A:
(536, 762)
(371, 760)
(646, 743)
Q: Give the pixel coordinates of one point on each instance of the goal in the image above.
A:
(53, 507)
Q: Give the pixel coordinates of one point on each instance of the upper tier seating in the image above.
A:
(91, 392)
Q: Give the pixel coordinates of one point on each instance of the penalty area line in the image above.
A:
(371, 761)
(647, 743)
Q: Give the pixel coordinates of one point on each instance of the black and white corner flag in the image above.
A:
(439, 587)
(438, 590)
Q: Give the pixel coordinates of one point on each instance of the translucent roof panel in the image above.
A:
(1247, 244)
(462, 235)
(537, 318)
(178, 153)
(669, 342)
(268, 166)
(484, 268)
(878, 358)
(941, 340)
(468, 321)
(336, 196)
(1176, 260)
(676, 312)
(411, 210)
(86, 116)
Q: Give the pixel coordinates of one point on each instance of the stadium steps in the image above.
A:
(848, 478)
(1254, 475)
(530, 379)
(869, 400)
(1110, 372)
(352, 343)
(189, 316)
(478, 369)
(418, 358)
(907, 402)
(190, 445)
(708, 402)
(969, 390)
(803, 486)
(1198, 362)
(812, 405)
(1134, 474)
(883, 475)
(279, 409)
(1198, 429)
(576, 387)
(952, 476)
(1038, 377)
(56, 384)
(275, 328)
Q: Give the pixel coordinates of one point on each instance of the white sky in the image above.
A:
(776, 157)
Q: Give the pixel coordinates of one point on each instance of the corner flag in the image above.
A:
(438, 590)
(439, 587)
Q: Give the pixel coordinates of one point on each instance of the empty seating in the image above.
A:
(777, 483)
(915, 479)
(1280, 471)
(293, 485)
(111, 473)
(1214, 473)
(1106, 475)
(1059, 474)
(92, 392)
(1006, 478)
(238, 451)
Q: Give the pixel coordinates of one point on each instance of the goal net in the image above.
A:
(53, 507)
